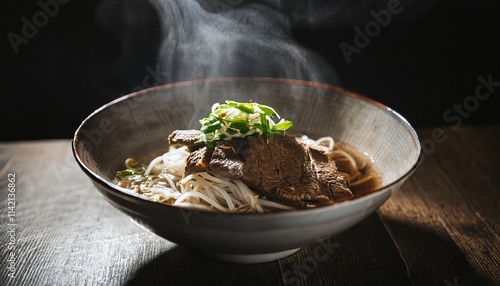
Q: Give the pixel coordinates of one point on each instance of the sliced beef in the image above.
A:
(278, 167)
(188, 138)
(198, 160)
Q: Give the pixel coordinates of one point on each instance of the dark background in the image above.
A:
(425, 61)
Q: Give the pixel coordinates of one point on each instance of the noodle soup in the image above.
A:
(163, 180)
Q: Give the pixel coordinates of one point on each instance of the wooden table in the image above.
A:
(441, 228)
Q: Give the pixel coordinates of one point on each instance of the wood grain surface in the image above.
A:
(440, 228)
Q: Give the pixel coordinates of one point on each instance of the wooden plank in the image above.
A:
(362, 255)
(444, 222)
(66, 233)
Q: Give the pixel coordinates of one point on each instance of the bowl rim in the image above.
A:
(122, 191)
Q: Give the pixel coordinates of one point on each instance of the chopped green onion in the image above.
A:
(240, 119)
(245, 107)
(132, 169)
(264, 123)
(284, 125)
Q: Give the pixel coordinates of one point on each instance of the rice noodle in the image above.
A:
(329, 140)
(206, 198)
(344, 154)
(153, 163)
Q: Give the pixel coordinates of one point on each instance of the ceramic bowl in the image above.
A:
(137, 125)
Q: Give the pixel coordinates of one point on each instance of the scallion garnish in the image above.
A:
(240, 119)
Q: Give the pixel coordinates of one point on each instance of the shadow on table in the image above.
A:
(184, 266)
(335, 261)
(432, 256)
(365, 254)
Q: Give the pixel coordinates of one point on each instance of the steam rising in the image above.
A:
(158, 42)
(231, 39)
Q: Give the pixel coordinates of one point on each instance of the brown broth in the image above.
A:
(367, 171)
